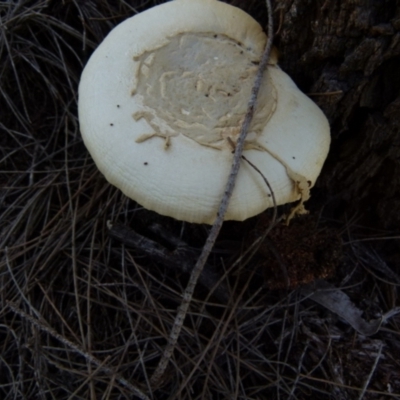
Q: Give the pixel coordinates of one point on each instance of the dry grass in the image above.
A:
(86, 317)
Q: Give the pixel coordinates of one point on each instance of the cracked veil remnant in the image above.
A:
(160, 110)
(210, 78)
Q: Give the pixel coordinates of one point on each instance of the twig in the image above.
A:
(188, 294)
(107, 370)
(272, 194)
(368, 380)
(325, 93)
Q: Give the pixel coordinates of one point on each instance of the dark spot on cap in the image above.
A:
(145, 163)
(118, 106)
(111, 124)
(215, 36)
(294, 158)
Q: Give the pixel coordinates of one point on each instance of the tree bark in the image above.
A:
(346, 55)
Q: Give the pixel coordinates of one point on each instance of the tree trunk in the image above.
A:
(346, 55)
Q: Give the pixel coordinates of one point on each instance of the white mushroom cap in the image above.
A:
(160, 96)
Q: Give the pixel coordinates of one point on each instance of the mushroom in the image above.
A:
(161, 103)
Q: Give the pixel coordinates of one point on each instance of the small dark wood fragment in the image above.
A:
(182, 257)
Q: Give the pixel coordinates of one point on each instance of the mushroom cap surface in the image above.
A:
(160, 107)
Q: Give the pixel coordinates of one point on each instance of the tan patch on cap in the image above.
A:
(198, 85)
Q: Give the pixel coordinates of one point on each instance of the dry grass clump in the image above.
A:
(86, 316)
